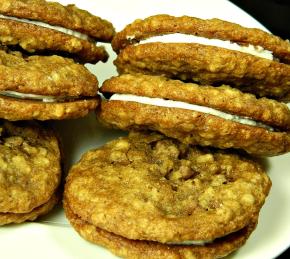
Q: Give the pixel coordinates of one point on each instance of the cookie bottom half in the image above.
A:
(192, 127)
(127, 248)
(15, 109)
(8, 218)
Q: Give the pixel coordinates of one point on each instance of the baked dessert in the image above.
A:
(44, 87)
(222, 117)
(211, 52)
(147, 195)
(46, 79)
(38, 26)
(30, 171)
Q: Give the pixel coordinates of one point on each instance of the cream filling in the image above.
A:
(36, 97)
(187, 106)
(186, 38)
(48, 26)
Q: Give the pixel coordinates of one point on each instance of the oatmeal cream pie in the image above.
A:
(149, 196)
(44, 87)
(206, 51)
(41, 26)
(30, 171)
(222, 117)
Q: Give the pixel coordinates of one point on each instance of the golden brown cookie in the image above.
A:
(52, 87)
(54, 13)
(35, 39)
(187, 48)
(15, 109)
(30, 171)
(40, 26)
(152, 188)
(8, 218)
(211, 28)
(128, 248)
(223, 118)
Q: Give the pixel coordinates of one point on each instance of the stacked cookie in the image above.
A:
(30, 171)
(181, 194)
(197, 112)
(206, 51)
(47, 85)
(150, 196)
(43, 49)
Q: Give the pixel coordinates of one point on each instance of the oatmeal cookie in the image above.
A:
(30, 171)
(14, 109)
(52, 87)
(166, 194)
(128, 248)
(40, 26)
(222, 117)
(8, 218)
(211, 28)
(54, 13)
(208, 52)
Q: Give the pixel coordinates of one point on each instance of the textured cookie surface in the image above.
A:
(54, 13)
(213, 28)
(191, 127)
(150, 187)
(16, 109)
(29, 165)
(146, 249)
(8, 218)
(207, 65)
(51, 75)
(33, 38)
(224, 98)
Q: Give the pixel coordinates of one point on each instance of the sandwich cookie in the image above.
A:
(206, 51)
(44, 87)
(29, 171)
(222, 117)
(149, 196)
(38, 26)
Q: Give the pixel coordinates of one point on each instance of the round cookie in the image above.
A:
(211, 28)
(15, 109)
(52, 87)
(30, 171)
(152, 188)
(222, 117)
(206, 51)
(127, 248)
(40, 26)
(8, 218)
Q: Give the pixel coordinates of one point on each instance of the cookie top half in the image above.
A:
(45, 75)
(38, 26)
(29, 165)
(54, 13)
(150, 187)
(212, 29)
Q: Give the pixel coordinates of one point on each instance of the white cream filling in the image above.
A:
(186, 38)
(191, 242)
(46, 25)
(187, 106)
(43, 98)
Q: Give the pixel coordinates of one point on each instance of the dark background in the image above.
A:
(275, 16)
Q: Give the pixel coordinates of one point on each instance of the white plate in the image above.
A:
(54, 238)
